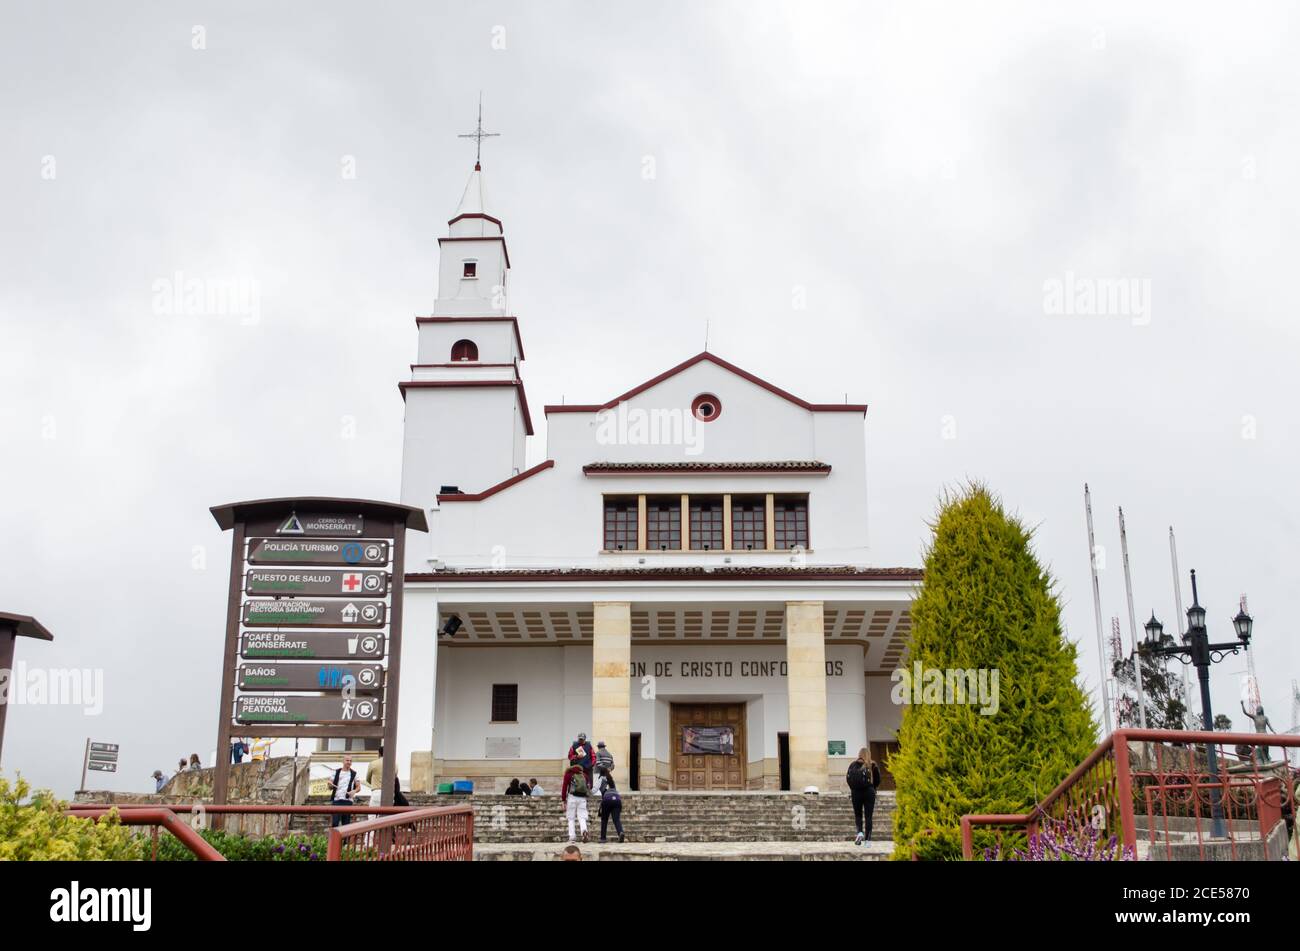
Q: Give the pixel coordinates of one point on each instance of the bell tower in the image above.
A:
(466, 414)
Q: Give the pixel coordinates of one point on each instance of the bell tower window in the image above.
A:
(464, 351)
(471, 269)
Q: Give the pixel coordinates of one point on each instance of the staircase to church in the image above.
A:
(665, 817)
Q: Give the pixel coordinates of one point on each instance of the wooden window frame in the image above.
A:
(631, 519)
(737, 502)
(781, 524)
(716, 521)
(503, 702)
(654, 525)
(657, 512)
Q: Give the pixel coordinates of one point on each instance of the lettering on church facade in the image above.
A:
(705, 669)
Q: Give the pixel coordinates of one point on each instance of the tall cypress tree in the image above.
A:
(986, 604)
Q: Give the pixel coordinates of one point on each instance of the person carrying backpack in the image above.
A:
(581, 754)
(863, 777)
(611, 805)
(573, 793)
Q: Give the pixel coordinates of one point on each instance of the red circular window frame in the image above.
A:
(706, 399)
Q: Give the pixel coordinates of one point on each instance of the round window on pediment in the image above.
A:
(706, 407)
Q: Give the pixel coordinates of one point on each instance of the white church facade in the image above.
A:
(684, 577)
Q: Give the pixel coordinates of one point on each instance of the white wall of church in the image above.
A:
(495, 340)
(554, 518)
(884, 717)
(463, 437)
(555, 695)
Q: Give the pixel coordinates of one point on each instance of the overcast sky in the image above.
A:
(917, 176)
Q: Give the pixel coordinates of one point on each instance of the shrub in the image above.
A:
(243, 848)
(986, 604)
(40, 830)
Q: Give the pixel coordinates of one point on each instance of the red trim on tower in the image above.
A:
(476, 214)
(486, 237)
(731, 468)
(744, 374)
(462, 384)
(440, 319)
(458, 363)
(487, 493)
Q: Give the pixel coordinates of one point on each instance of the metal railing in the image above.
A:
(405, 833)
(431, 834)
(159, 817)
(1152, 793)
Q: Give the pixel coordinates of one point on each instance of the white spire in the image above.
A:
(472, 201)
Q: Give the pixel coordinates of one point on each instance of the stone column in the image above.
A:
(805, 650)
(611, 691)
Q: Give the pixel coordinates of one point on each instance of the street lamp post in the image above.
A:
(1200, 653)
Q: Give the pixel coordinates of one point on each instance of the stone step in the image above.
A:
(690, 852)
(668, 818)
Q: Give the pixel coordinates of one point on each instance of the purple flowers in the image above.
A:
(1059, 840)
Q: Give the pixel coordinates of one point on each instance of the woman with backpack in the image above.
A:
(573, 793)
(611, 804)
(863, 777)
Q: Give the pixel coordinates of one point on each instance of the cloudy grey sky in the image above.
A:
(918, 174)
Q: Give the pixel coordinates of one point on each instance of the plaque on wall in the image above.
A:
(501, 747)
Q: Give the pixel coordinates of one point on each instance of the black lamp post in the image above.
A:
(1198, 651)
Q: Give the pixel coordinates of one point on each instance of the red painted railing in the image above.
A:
(158, 817)
(402, 833)
(1155, 787)
(434, 834)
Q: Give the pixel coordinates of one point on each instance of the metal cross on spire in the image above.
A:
(478, 135)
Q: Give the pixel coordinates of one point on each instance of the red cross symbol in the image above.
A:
(351, 582)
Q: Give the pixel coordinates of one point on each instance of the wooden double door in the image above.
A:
(708, 745)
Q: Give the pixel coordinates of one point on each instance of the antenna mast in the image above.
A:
(1096, 606)
(1132, 624)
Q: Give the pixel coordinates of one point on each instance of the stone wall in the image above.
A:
(282, 780)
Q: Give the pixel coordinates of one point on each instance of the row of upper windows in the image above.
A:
(706, 522)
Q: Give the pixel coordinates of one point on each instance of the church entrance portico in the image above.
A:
(723, 693)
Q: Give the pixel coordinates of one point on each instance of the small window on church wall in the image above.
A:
(620, 523)
(663, 523)
(471, 269)
(748, 522)
(505, 703)
(791, 517)
(706, 407)
(706, 523)
(464, 350)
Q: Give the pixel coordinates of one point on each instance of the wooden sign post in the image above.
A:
(313, 582)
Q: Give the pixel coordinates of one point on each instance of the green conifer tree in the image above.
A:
(986, 604)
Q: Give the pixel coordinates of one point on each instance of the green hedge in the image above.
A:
(243, 848)
(40, 830)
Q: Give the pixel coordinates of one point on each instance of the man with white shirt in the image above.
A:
(345, 785)
(534, 789)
